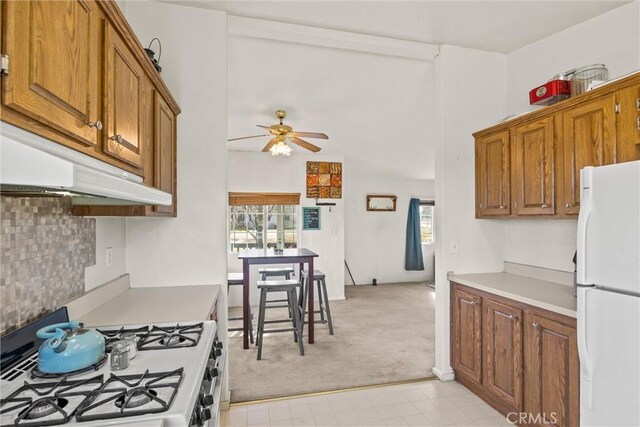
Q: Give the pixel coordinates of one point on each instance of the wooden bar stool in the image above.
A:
(236, 279)
(323, 298)
(290, 287)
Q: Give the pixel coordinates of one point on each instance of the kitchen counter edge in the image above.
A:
(555, 297)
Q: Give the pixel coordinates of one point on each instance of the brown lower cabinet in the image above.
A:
(520, 359)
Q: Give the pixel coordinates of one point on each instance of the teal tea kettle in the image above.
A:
(69, 347)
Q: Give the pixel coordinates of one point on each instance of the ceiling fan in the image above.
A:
(283, 134)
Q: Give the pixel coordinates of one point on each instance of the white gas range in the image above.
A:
(174, 380)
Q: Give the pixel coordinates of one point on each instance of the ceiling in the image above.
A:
(496, 26)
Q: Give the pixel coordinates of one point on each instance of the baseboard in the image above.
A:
(443, 376)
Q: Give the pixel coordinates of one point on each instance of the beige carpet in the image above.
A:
(382, 334)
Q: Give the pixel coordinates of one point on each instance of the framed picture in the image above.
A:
(310, 218)
(381, 202)
(324, 180)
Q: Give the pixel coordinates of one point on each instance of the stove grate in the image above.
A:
(47, 406)
(121, 390)
(179, 336)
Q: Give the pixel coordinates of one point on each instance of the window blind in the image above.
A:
(244, 199)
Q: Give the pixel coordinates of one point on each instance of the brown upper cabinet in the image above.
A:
(53, 77)
(124, 83)
(551, 145)
(492, 175)
(165, 152)
(533, 164)
(78, 76)
(628, 127)
(589, 139)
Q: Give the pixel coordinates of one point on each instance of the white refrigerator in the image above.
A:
(608, 277)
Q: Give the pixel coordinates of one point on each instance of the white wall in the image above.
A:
(378, 111)
(110, 233)
(260, 172)
(465, 77)
(375, 245)
(189, 249)
(612, 39)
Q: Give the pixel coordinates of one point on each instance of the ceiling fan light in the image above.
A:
(280, 149)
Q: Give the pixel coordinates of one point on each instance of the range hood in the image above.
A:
(33, 166)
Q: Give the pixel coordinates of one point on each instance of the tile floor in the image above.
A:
(426, 403)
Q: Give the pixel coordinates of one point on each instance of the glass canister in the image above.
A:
(120, 355)
(586, 77)
(132, 339)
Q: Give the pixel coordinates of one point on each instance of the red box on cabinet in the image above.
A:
(550, 92)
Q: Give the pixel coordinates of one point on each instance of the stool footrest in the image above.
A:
(275, 331)
(277, 321)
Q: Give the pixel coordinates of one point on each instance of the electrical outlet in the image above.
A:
(454, 246)
(109, 257)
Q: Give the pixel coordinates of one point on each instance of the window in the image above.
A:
(426, 222)
(263, 220)
(262, 226)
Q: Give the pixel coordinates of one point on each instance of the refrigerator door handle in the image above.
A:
(583, 353)
(583, 220)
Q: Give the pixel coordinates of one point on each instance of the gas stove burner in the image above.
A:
(113, 335)
(178, 336)
(48, 403)
(130, 395)
(135, 397)
(37, 373)
(44, 407)
(172, 340)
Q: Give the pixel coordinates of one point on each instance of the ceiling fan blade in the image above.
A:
(269, 145)
(311, 135)
(245, 137)
(304, 144)
(264, 127)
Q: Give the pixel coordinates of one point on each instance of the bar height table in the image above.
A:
(249, 257)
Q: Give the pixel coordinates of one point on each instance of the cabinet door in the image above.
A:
(533, 167)
(492, 175)
(628, 124)
(165, 152)
(550, 372)
(503, 352)
(53, 47)
(123, 101)
(589, 139)
(467, 334)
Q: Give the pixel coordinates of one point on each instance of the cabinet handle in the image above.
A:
(638, 123)
(473, 303)
(97, 124)
(117, 138)
(503, 207)
(536, 325)
(568, 205)
(638, 104)
(544, 206)
(511, 317)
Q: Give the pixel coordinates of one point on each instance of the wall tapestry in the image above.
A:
(324, 180)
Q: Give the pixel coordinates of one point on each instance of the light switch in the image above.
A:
(109, 257)
(454, 246)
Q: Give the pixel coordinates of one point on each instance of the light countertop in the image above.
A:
(155, 305)
(547, 295)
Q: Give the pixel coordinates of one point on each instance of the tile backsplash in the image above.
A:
(44, 251)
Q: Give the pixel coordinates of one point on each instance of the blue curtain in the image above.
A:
(413, 253)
